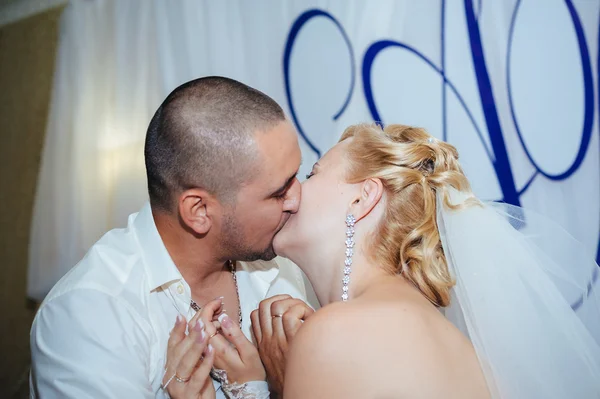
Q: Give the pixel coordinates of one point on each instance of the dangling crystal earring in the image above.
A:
(350, 220)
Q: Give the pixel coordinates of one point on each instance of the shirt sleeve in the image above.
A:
(88, 344)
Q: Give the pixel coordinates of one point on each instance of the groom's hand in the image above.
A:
(275, 323)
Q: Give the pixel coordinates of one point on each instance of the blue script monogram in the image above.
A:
(498, 157)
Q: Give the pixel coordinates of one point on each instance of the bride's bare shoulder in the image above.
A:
(358, 316)
(322, 360)
(356, 320)
(346, 340)
(325, 330)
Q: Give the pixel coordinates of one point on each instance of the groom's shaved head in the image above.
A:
(203, 136)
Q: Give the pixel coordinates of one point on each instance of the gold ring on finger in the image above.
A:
(184, 380)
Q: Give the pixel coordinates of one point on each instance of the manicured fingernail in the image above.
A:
(210, 348)
(219, 297)
(178, 320)
(199, 326)
(201, 337)
(225, 321)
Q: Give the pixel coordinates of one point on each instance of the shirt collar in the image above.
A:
(160, 268)
(264, 271)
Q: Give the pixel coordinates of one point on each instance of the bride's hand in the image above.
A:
(189, 361)
(235, 354)
(275, 323)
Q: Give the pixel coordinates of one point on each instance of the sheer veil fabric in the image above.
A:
(528, 297)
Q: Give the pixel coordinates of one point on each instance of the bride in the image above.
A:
(428, 292)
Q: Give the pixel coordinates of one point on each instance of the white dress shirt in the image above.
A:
(103, 329)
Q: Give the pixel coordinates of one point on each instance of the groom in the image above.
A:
(221, 162)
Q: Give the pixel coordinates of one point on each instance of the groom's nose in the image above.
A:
(292, 199)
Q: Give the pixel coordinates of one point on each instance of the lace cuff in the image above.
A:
(247, 390)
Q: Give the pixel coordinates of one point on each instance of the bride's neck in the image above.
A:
(364, 274)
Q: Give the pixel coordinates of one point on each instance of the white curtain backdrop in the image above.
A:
(513, 84)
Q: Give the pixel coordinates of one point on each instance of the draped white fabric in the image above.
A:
(523, 297)
(513, 84)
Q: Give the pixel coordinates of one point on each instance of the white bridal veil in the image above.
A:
(527, 295)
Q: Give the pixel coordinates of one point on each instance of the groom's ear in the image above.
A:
(196, 210)
(371, 191)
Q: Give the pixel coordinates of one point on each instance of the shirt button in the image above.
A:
(180, 289)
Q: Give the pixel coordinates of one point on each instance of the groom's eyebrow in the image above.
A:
(285, 186)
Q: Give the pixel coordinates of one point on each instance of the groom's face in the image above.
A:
(265, 203)
(326, 197)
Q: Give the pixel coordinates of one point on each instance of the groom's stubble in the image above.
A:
(237, 244)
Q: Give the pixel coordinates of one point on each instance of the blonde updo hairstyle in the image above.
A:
(413, 168)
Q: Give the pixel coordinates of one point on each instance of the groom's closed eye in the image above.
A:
(282, 191)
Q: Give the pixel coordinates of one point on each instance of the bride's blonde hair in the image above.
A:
(413, 167)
